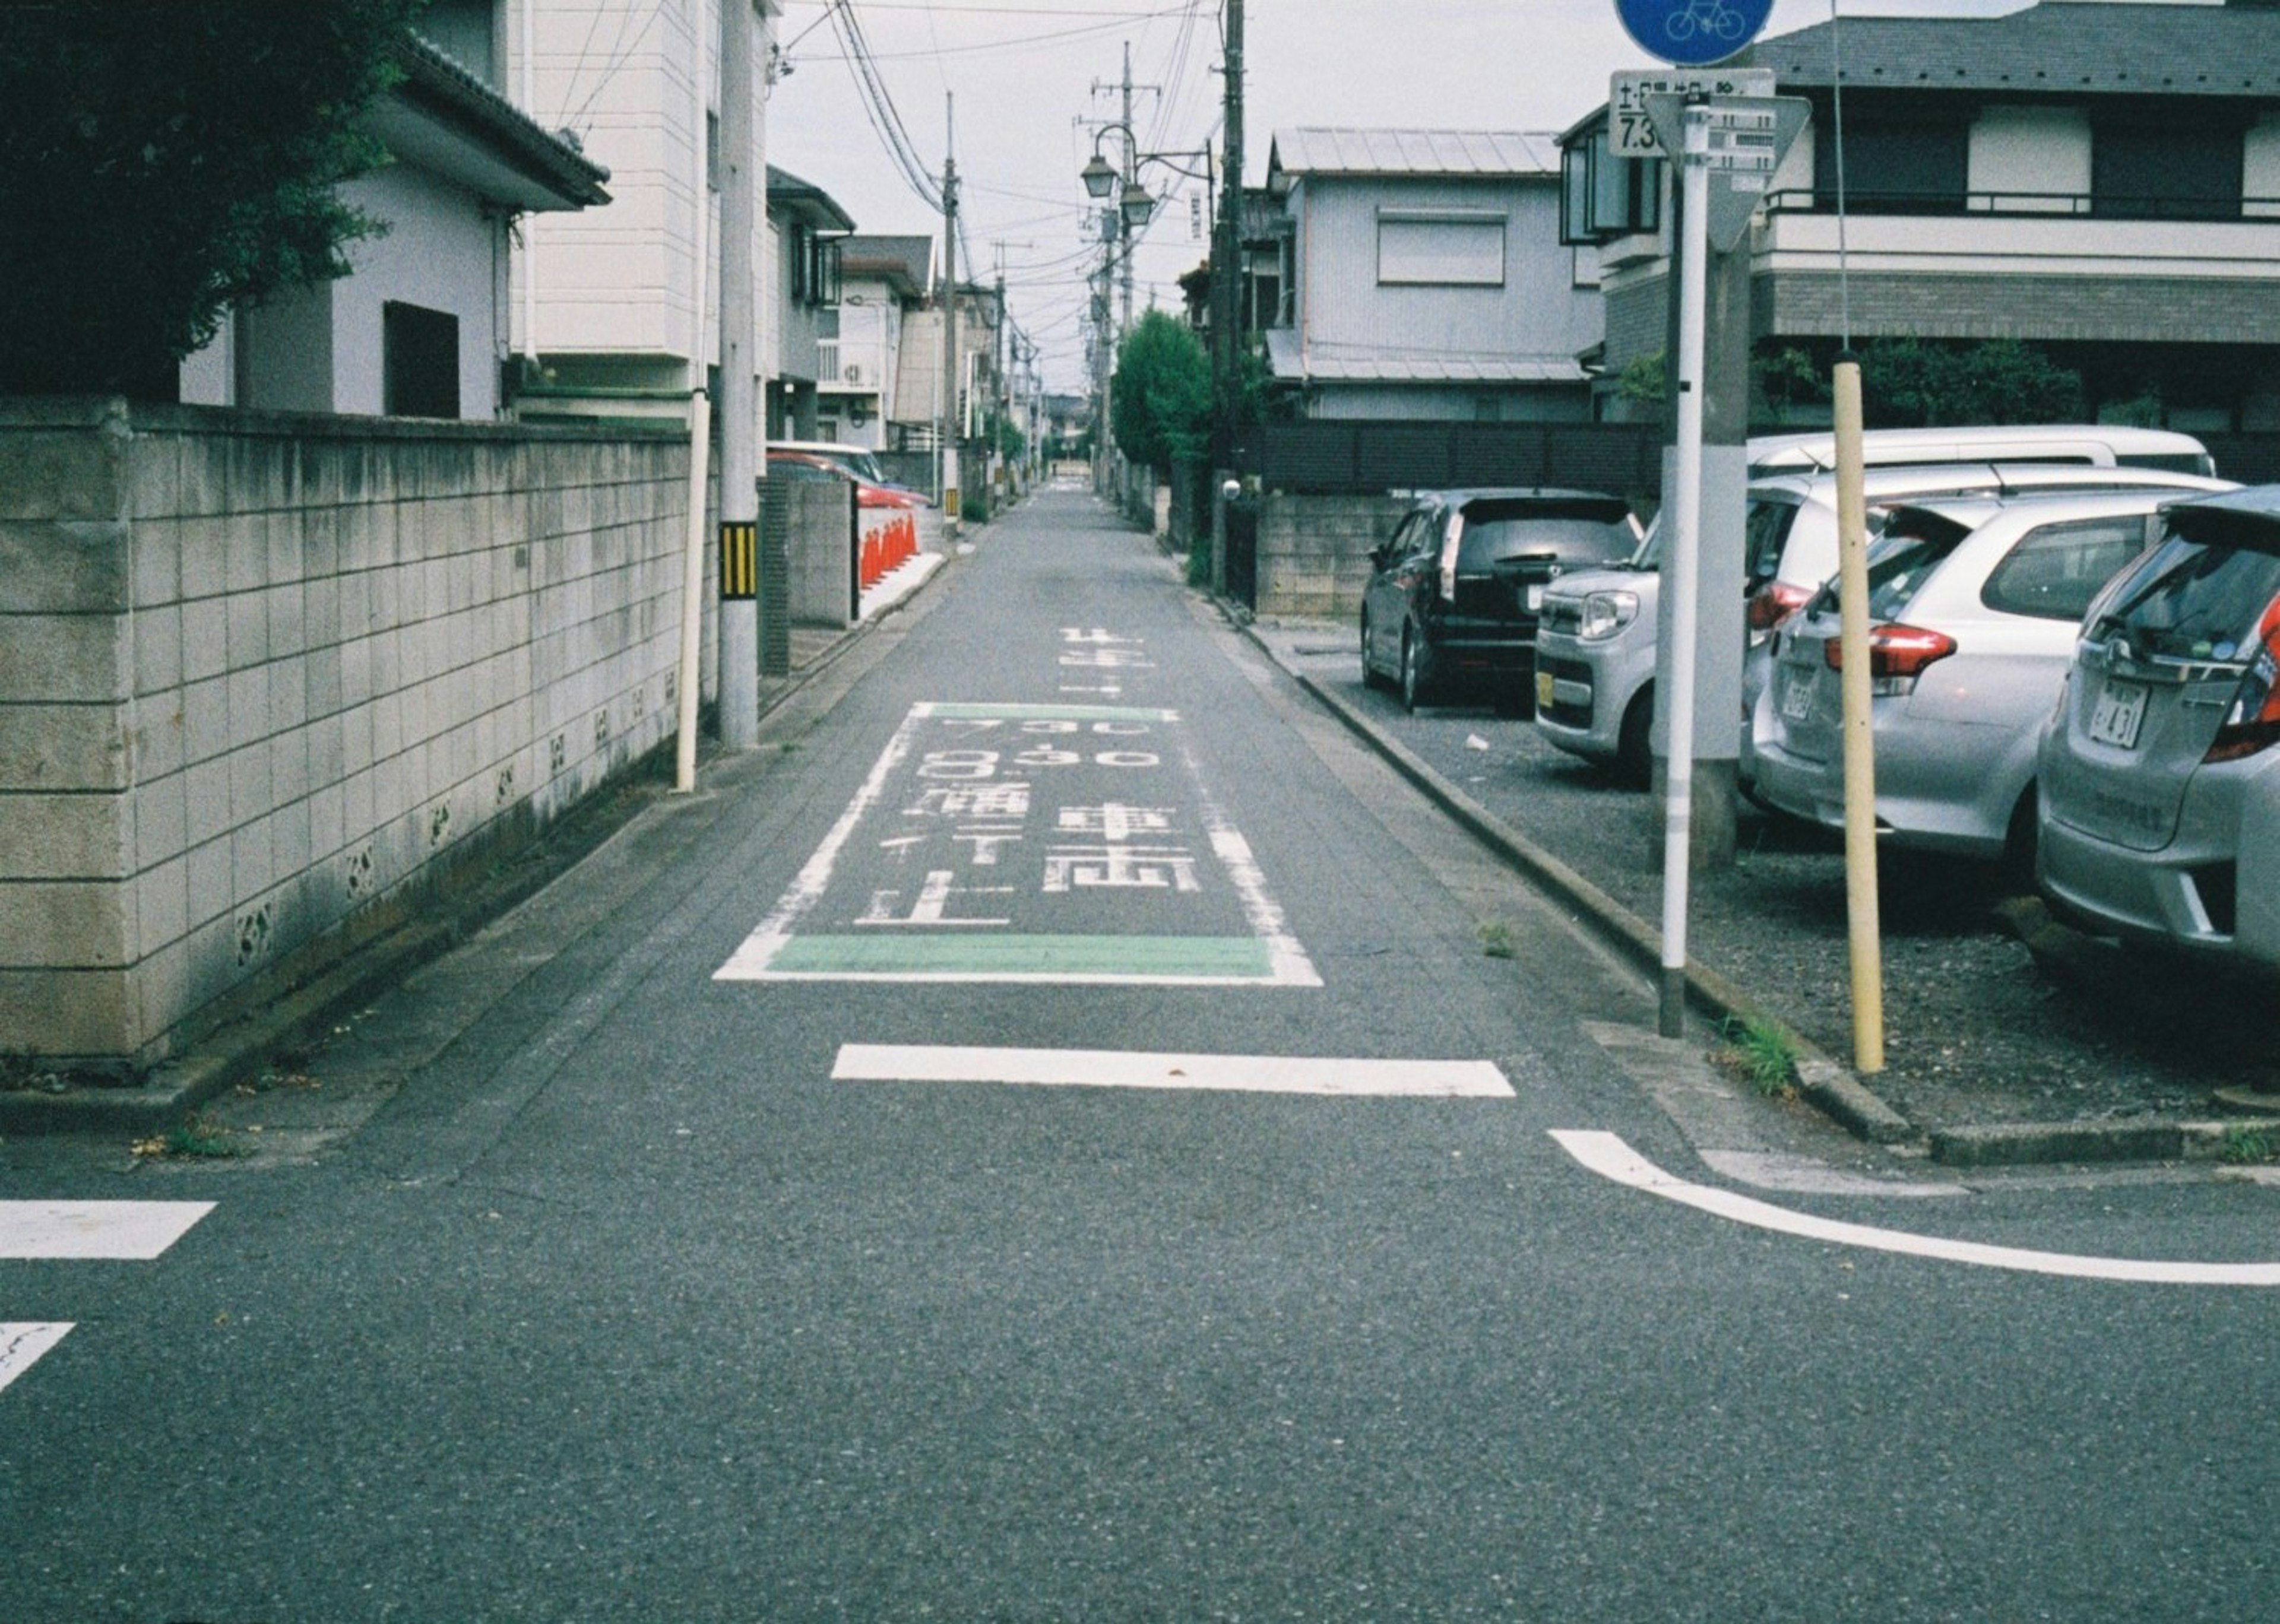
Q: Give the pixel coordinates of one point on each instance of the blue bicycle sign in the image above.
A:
(1692, 33)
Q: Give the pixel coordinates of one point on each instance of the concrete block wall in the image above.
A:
(261, 676)
(820, 530)
(1314, 552)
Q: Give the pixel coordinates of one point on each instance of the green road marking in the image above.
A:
(1047, 714)
(1228, 957)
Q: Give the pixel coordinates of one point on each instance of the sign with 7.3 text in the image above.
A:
(1630, 133)
(1692, 33)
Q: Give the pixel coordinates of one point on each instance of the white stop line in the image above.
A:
(1607, 1155)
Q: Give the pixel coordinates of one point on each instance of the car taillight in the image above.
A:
(1774, 602)
(2253, 723)
(1898, 655)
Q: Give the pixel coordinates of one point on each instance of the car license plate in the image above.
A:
(1797, 695)
(2119, 714)
(1534, 599)
(1542, 691)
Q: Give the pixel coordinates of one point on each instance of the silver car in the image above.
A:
(1975, 604)
(1596, 643)
(2161, 810)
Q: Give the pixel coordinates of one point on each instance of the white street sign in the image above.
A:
(1632, 134)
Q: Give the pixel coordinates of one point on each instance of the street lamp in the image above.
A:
(1135, 205)
(1097, 175)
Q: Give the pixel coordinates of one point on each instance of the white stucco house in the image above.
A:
(860, 372)
(420, 328)
(1426, 278)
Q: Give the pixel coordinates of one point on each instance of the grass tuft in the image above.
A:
(1496, 939)
(1762, 1052)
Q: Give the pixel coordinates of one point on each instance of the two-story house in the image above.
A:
(805, 230)
(881, 279)
(2100, 181)
(1425, 277)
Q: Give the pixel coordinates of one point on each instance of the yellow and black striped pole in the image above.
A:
(740, 561)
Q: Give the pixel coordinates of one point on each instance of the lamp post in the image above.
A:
(1134, 207)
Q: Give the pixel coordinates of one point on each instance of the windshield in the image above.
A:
(2192, 601)
(1590, 534)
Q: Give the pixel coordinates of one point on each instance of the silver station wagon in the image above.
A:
(2160, 769)
(1975, 604)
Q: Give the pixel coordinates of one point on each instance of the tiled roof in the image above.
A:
(1416, 153)
(2059, 47)
(435, 82)
(787, 188)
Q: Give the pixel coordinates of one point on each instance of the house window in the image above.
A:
(1454, 248)
(1894, 167)
(2145, 171)
(1603, 197)
(420, 361)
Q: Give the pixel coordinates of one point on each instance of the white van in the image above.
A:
(2105, 445)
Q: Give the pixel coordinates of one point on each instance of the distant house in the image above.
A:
(859, 370)
(805, 231)
(1424, 277)
(2101, 180)
(420, 327)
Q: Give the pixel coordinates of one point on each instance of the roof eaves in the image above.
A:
(440, 86)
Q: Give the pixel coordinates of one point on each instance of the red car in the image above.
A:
(807, 466)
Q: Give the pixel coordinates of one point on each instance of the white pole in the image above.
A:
(1683, 579)
(692, 591)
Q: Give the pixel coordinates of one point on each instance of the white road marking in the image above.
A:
(1607, 1155)
(21, 1346)
(122, 1230)
(1103, 1068)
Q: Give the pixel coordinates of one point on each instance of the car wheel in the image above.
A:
(1370, 675)
(1634, 743)
(1413, 679)
(2019, 843)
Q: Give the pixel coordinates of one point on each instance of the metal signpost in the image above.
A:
(1727, 147)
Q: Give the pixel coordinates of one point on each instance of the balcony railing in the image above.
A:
(2025, 206)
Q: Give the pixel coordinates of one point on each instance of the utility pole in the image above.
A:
(1131, 179)
(1227, 286)
(740, 492)
(951, 425)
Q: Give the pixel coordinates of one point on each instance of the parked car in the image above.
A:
(2098, 444)
(1596, 649)
(1453, 600)
(861, 461)
(1975, 604)
(2160, 806)
(791, 465)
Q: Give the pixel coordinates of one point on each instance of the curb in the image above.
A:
(239, 1049)
(1828, 1085)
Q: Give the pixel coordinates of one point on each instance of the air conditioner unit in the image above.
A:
(852, 371)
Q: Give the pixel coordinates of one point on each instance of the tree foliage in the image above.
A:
(1161, 396)
(1909, 383)
(161, 160)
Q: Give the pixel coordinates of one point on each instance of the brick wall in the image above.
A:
(261, 676)
(1314, 552)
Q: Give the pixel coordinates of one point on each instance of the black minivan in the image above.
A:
(1455, 592)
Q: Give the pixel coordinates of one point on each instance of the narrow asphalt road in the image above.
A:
(1063, 1135)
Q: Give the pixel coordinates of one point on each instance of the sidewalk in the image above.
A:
(2008, 1039)
(279, 1023)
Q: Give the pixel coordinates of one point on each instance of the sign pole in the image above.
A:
(1683, 572)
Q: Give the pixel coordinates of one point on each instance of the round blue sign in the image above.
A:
(1693, 32)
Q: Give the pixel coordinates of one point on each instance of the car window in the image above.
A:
(784, 469)
(1592, 532)
(2054, 572)
(1904, 558)
(2192, 601)
(1765, 532)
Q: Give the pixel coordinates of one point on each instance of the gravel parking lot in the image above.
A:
(1979, 1029)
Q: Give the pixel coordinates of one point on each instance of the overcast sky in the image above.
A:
(1024, 73)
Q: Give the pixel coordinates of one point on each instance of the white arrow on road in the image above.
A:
(1607, 1155)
